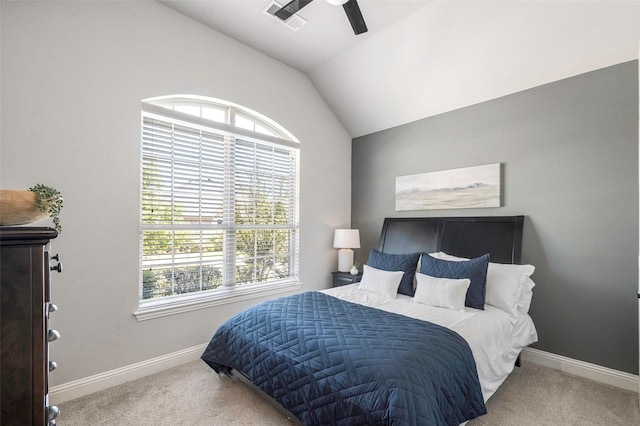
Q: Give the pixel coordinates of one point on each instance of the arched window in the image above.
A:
(219, 204)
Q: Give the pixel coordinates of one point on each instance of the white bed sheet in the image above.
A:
(494, 341)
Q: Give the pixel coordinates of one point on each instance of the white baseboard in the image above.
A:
(589, 371)
(77, 388)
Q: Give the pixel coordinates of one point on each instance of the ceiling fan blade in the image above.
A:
(352, 10)
(291, 8)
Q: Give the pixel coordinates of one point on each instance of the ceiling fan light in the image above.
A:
(337, 2)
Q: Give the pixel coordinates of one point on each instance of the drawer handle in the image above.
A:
(53, 335)
(52, 412)
(57, 267)
(52, 365)
(52, 307)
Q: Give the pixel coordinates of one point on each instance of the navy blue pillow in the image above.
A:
(397, 262)
(474, 269)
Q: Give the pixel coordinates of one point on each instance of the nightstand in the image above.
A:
(344, 278)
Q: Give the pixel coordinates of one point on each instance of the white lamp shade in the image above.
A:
(337, 2)
(346, 238)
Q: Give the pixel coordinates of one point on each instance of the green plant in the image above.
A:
(49, 200)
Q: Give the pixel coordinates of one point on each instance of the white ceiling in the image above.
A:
(326, 34)
(421, 58)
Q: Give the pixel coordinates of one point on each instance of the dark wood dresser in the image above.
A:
(25, 268)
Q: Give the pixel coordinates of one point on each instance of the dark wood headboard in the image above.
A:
(500, 236)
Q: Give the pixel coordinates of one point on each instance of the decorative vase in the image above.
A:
(19, 207)
(354, 270)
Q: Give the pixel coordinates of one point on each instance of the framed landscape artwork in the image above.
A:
(465, 188)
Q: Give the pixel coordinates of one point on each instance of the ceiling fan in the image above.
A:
(351, 8)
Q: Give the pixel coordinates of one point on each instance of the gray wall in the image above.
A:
(569, 151)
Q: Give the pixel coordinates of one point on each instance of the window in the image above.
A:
(219, 205)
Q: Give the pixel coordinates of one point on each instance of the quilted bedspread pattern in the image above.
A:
(329, 361)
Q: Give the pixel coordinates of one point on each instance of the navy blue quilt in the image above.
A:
(333, 362)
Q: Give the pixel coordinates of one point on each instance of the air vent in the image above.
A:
(294, 23)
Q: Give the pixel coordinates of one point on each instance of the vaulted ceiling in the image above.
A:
(421, 57)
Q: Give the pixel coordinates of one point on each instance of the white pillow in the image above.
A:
(441, 292)
(382, 282)
(524, 302)
(504, 277)
(509, 287)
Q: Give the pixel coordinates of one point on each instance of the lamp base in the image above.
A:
(345, 260)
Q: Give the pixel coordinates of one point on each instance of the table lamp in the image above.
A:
(346, 240)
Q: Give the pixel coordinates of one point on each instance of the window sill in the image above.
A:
(150, 309)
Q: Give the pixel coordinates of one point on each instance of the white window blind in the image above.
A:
(219, 208)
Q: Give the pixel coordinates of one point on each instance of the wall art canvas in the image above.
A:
(465, 188)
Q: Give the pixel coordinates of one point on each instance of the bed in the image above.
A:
(424, 338)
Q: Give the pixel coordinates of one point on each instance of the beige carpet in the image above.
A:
(193, 395)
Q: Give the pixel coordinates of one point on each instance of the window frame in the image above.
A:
(160, 108)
